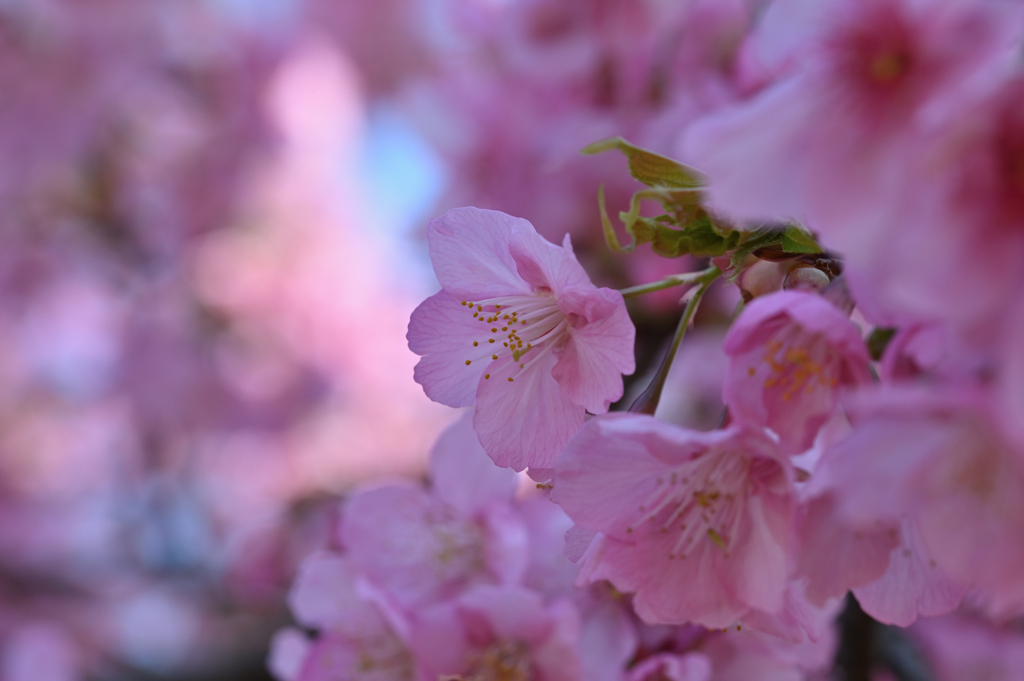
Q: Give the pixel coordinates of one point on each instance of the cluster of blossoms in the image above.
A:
(861, 183)
(466, 579)
(194, 370)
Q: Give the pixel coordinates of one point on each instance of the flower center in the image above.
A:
(799, 361)
(502, 661)
(382, 656)
(512, 326)
(458, 549)
(699, 499)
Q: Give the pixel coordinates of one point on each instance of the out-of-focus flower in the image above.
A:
(358, 635)
(941, 461)
(519, 331)
(499, 632)
(425, 547)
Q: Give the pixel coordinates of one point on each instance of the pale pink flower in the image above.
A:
(697, 525)
(884, 559)
(518, 330)
(963, 646)
(499, 633)
(424, 546)
(671, 667)
(912, 586)
(835, 557)
(940, 459)
(789, 354)
(828, 141)
(361, 637)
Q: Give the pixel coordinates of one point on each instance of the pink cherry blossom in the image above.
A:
(499, 633)
(965, 646)
(941, 459)
(826, 140)
(424, 546)
(669, 667)
(789, 353)
(697, 525)
(912, 585)
(518, 330)
(361, 637)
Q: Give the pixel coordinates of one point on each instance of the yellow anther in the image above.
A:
(487, 375)
(475, 313)
(751, 371)
(475, 344)
(468, 362)
(480, 308)
(504, 328)
(494, 330)
(463, 302)
(490, 340)
(494, 357)
(509, 379)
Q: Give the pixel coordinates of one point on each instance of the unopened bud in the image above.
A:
(806, 279)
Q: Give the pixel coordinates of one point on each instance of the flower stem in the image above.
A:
(647, 403)
(668, 282)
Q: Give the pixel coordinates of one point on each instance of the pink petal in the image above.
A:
(836, 557)
(325, 595)
(527, 421)
(412, 544)
(543, 264)
(739, 149)
(913, 585)
(760, 566)
(676, 591)
(461, 473)
(669, 667)
(469, 249)
(596, 354)
(442, 332)
(288, 651)
(605, 473)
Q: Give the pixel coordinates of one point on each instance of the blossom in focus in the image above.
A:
(518, 330)
(697, 525)
(789, 353)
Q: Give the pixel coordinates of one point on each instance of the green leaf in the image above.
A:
(878, 341)
(797, 240)
(652, 169)
(699, 237)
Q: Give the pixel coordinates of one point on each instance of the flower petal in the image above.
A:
(469, 248)
(463, 476)
(527, 421)
(441, 331)
(913, 585)
(597, 354)
(541, 263)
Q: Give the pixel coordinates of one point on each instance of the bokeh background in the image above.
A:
(211, 238)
